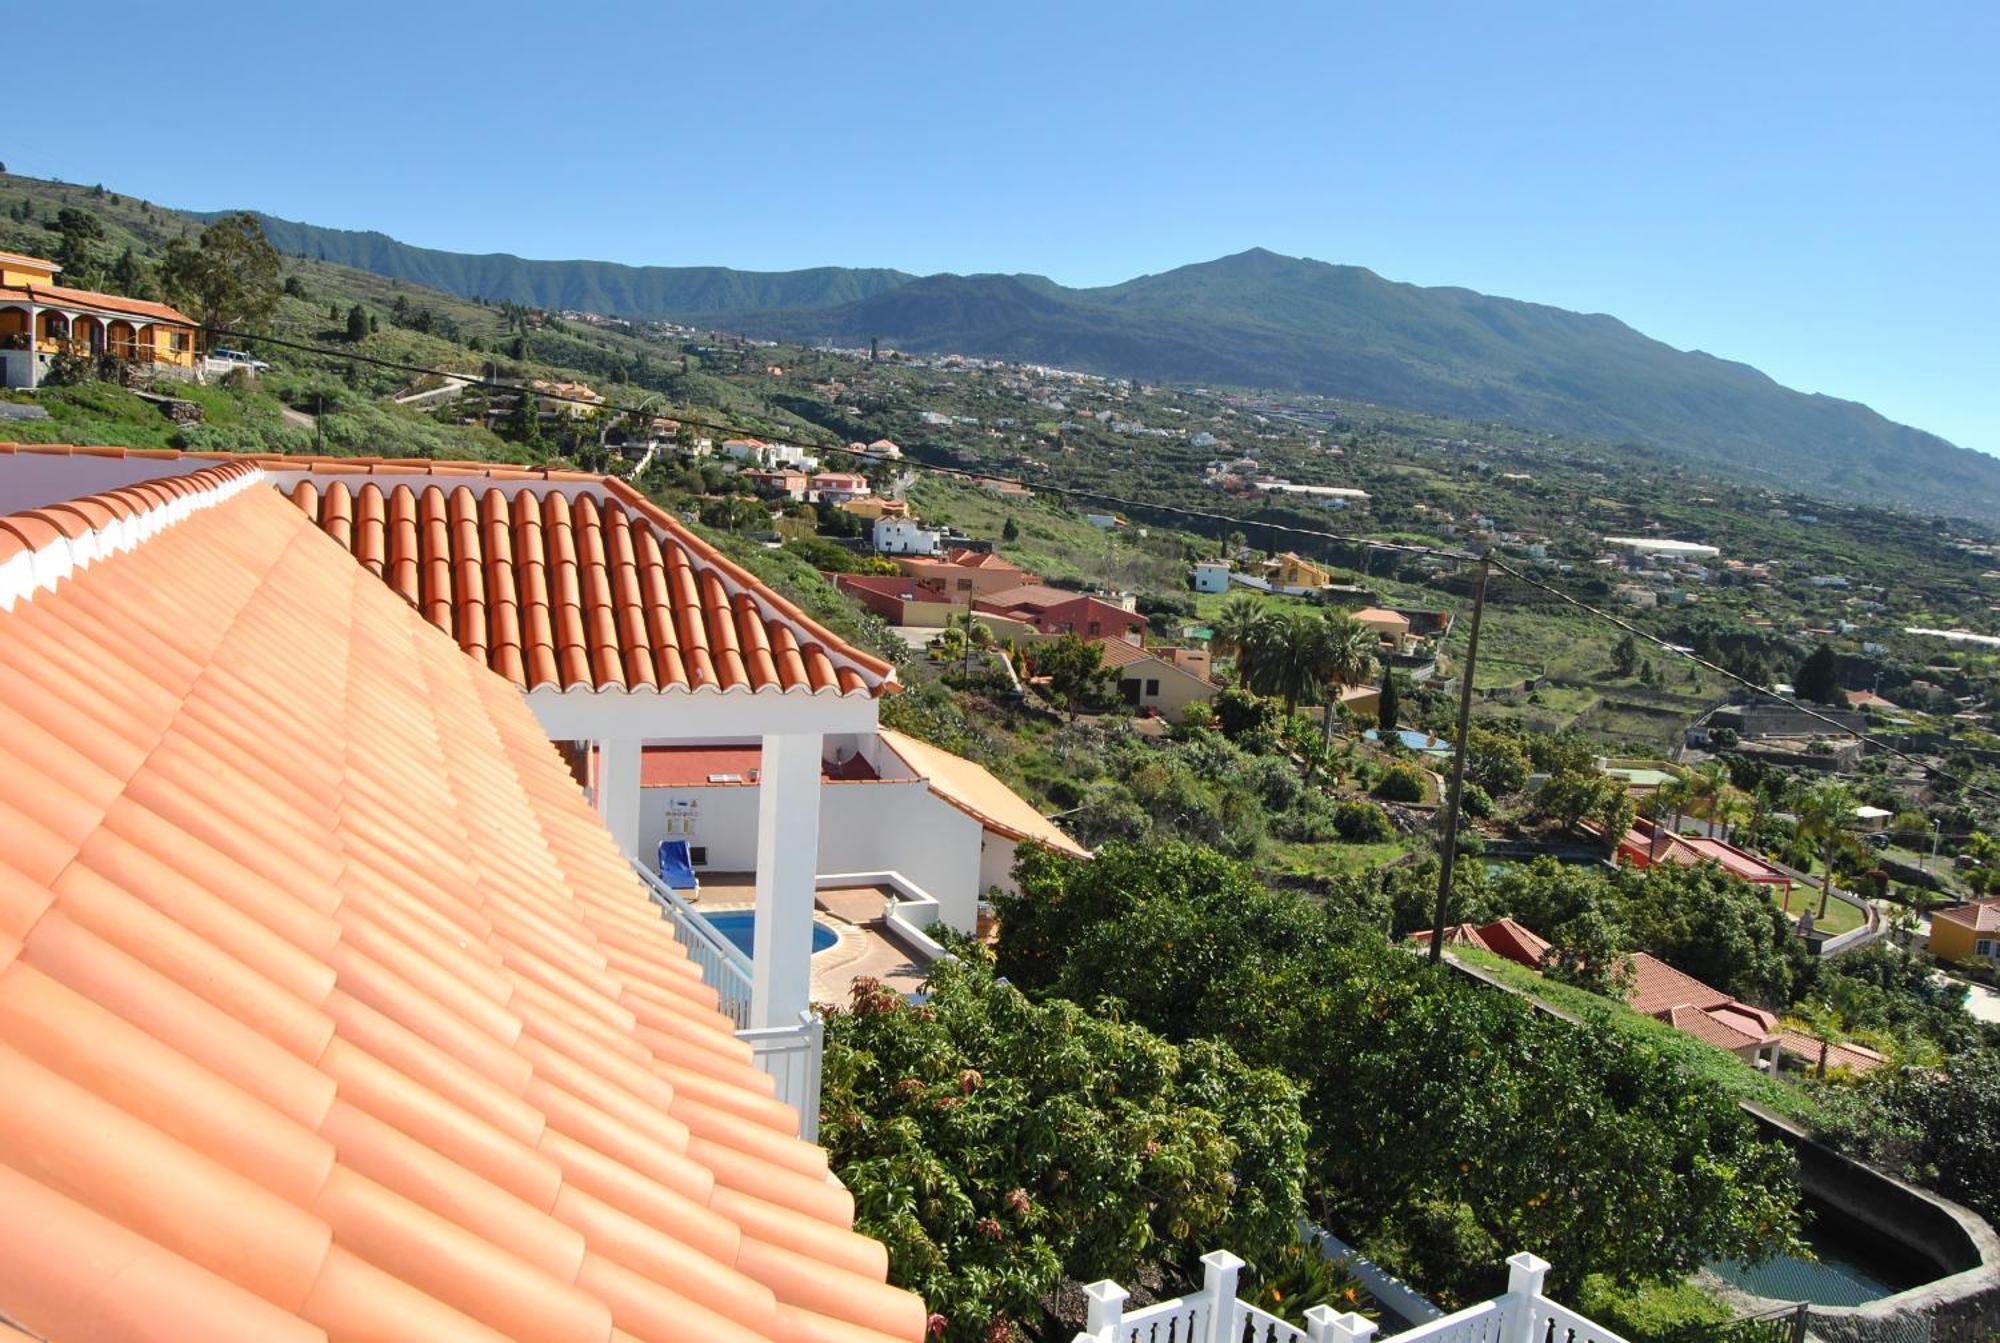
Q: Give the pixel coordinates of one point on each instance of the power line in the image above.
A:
(1144, 505)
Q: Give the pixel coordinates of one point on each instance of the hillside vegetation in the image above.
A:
(1258, 319)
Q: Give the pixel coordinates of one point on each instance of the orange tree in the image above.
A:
(1450, 1124)
(996, 1144)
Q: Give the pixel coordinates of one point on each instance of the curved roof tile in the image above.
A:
(327, 1007)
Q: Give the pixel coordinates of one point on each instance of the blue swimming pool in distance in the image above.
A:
(740, 927)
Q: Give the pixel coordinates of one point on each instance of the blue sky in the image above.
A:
(1810, 188)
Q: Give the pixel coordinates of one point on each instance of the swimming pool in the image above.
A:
(1415, 740)
(740, 927)
(1854, 1265)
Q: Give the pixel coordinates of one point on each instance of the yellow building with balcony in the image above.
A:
(40, 319)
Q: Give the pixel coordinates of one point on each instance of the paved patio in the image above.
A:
(866, 948)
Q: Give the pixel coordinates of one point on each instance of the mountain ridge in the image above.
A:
(1258, 318)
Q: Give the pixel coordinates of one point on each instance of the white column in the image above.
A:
(34, 349)
(616, 790)
(787, 862)
(1220, 1271)
(1525, 1275)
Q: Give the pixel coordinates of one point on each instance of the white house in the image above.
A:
(906, 536)
(1211, 576)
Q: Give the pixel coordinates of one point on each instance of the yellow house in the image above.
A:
(1291, 571)
(1967, 932)
(875, 507)
(1163, 680)
(40, 319)
(1392, 627)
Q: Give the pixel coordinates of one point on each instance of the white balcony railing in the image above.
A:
(1216, 1315)
(723, 966)
(788, 1055)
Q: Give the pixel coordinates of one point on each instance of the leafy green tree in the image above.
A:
(357, 324)
(1388, 712)
(1010, 530)
(1599, 1152)
(1496, 761)
(1625, 655)
(228, 278)
(129, 276)
(1290, 652)
(81, 235)
(1817, 678)
(525, 422)
(995, 1144)
(1350, 656)
(1076, 671)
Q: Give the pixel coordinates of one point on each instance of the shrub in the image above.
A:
(1401, 783)
(1362, 823)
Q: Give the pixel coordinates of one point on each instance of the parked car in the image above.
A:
(249, 361)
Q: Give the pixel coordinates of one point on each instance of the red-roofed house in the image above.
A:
(1647, 843)
(1053, 612)
(1708, 1014)
(838, 487)
(901, 600)
(969, 571)
(1502, 937)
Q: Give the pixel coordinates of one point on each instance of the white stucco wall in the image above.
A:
(890, 826)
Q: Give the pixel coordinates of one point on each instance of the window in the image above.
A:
(1093, 627)
(698, 855)
(1130, 690)
(1983, 947)
(965, 585)
(1152, 686)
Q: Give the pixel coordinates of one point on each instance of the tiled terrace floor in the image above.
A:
(865, 950)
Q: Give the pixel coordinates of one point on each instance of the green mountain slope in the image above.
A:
(1263, 320)
(588, 286)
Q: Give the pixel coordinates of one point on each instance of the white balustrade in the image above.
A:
(1216, 1315)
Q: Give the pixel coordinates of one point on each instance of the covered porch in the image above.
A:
(34, 332)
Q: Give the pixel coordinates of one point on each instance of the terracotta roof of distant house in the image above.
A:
(1868, 699)
(89, 298)
(1120, 653)
(1657, 986)
(1842, 1054)
(974, 791)
(1716, 1028)
(979, 559)
(587, 586)
(1028, 597)
(1502, 937)
(328, 1008)
(1380, 615)
(1982, 916)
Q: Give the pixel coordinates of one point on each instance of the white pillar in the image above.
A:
(1220, 1271)
(1104, 1308)
(1324, 1324)
(34, 349)
(787, 865)
(616, 790)
(1525, 1275)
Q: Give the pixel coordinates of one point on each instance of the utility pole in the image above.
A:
(1449, 849)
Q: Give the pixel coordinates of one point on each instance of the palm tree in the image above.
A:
(1823, 811)
(1350, 660)
(1236, 626)
(1706, 785)
(1666, 805)
(1289, 653)
(1731, 811)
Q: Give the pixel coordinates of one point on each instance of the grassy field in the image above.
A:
(1841, 917)
(1052, 541)
(1729, 1073)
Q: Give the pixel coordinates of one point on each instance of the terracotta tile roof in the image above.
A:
(558, 578)
(1713, 1028)
(1502, 937)
(1982, 916)
(974, 791)
(1027, 597)
(1657, 986)
(328, 1009)
(58, 296)
(1119, 653)
(1805, 1048)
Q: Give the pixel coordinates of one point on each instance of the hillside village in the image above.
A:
(930, 710)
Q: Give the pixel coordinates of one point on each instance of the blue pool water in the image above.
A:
(740, 927)
(1853, 1265)
(1415, 740)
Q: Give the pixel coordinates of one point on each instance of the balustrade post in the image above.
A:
(1326, 1325)
(1220, 1271)
(1525, 1274)
(1106, 1309)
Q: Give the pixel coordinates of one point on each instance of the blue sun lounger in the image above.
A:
(677, 868)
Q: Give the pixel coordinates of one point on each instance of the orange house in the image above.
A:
(40, 319)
